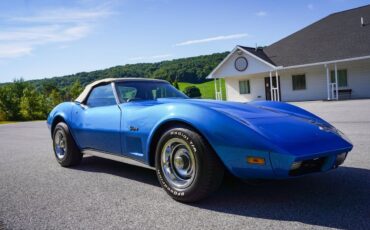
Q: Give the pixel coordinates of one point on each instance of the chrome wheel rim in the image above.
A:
(178, 163)
(60, 144)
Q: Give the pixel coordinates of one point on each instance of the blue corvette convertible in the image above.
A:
(190, 142)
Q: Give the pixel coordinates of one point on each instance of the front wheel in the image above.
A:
(186, 166)
(65, 148)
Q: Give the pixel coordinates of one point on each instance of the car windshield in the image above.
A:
(146, 90)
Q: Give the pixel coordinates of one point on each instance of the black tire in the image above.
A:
(71, 154)
(209, 170)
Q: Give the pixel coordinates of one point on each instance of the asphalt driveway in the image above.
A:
(36, 193)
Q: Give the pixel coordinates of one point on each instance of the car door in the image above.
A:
(97, 121)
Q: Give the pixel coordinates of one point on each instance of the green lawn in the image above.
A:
(6, 122)
(207, 89)
(11, 122)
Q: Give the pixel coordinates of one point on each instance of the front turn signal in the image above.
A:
(256, 160)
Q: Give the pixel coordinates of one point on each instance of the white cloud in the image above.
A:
(152, 58)
(310, 6)
(74, 33)
(13, 51)
(64, 16)
(44, 34)
(211, 39)
(47, 26)
(261, 13)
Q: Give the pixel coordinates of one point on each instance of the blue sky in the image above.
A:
(41, 38)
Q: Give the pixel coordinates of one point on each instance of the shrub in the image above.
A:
(176, 85)
(192, 92)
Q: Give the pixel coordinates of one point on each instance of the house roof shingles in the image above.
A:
(259, 53)
(337, 36)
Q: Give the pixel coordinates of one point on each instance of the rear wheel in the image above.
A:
(65, 148)
(186, 166)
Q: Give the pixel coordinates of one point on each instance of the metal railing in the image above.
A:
(333, 91)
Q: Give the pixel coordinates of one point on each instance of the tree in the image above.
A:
(47, 87)
(55, 98)
(192, 92)
(192, 70)
(10, 97)
(33, 105)
(75, 90)
(19, 100)
(2, 116)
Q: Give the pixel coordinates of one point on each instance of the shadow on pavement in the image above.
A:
(338, 199)
(132, 172)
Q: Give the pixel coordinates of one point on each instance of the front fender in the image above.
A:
(230, 138)
(63, 110)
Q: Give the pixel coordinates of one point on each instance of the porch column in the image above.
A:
(271, 91)
(216, 88)
(327, 80)
(336, 80)
(277, 85)
(220, 88)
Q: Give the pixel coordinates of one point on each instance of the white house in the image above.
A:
(327, 60)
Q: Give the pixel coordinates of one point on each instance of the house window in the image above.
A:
(244, 87)
(299, 82)
(342, 77)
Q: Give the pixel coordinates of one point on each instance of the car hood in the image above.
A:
(301, 136)
(234, 109)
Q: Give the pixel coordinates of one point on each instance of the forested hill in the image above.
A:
(192, 70)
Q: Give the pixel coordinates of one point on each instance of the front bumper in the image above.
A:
(285, 166)
(281, 166)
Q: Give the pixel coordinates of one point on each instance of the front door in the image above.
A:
(268, 87)
(97, 121)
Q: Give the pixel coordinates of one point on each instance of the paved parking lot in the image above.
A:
(36, 193)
